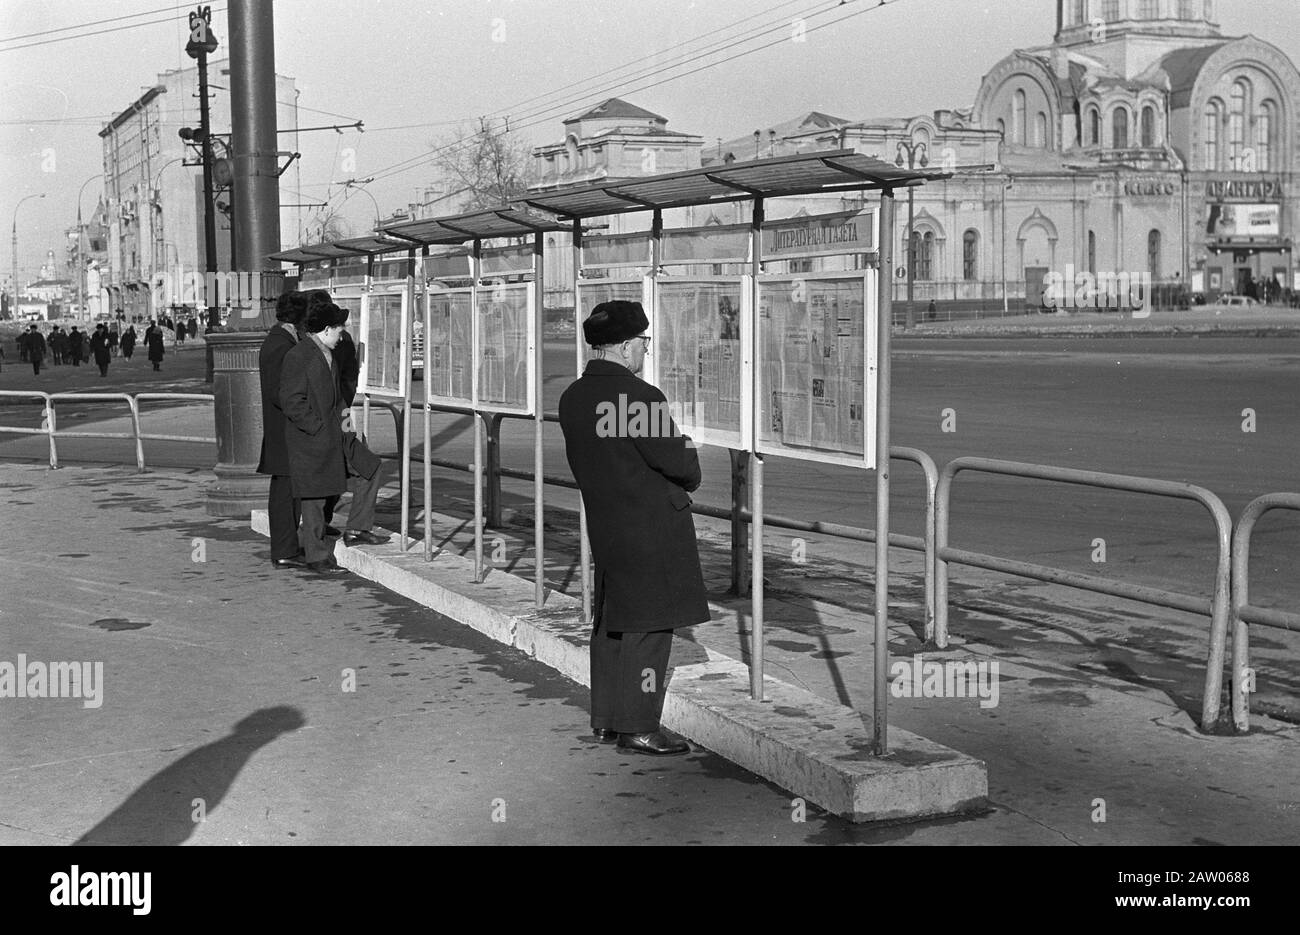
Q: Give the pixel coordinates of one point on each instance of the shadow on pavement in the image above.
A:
(161, 812)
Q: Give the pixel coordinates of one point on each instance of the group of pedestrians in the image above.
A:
(75, 347)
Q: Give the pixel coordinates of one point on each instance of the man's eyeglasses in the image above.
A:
(643, 337)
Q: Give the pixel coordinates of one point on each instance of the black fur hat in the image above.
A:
(614, 322)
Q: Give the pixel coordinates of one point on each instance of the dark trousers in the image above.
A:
(283, 513)
(361, 516)
(36, 365)
(628, 671)
(103, 369)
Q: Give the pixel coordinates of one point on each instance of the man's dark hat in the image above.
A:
(614, 322)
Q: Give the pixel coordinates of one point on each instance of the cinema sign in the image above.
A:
(1245, 190)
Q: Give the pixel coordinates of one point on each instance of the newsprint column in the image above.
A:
(239, 488)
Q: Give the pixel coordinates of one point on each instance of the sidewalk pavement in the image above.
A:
(109, 576)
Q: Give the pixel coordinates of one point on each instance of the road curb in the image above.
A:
(819, 751)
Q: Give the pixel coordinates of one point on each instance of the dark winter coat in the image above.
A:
(35, 345)
(635, 493)
(128, 342)
(99, 347)
(348, 367)
(270, 363)
(313, 433)
(156, 347)
(74, 344)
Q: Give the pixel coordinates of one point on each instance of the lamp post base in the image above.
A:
(238, 489)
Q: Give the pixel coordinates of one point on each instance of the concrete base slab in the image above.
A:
(818, 750)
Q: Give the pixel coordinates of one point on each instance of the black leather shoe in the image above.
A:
(605, 735)
(327, 567)
(293, 561)
(331, 530)
(656, 743)
(363, 538)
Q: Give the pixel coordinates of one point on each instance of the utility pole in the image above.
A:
(203, 43)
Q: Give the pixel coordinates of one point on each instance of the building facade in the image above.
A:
(1142, 140)
(153, 187)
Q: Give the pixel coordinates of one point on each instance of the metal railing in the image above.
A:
(1243, 612)
(49, 426)
(1217, 608)
(740, 516)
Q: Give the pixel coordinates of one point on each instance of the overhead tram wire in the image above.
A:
(98, 22)
(549, 113)
(682, 60)
(421, 159)
(101, 32)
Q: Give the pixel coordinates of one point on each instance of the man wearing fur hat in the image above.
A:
(635, 479)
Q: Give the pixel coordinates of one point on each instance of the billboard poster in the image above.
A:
(448, 348)
(814, 354)
(1239, 220)
(383, 321)
(505, 320)
(698, 355)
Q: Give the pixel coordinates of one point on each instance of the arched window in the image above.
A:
(1153, 254)
(1119, 129)
(1238, 108)
(1148, 126)
(1265, 130)
(571, 153)
(1213, 120)
(1092, 252)
(922, 254)
(1018, 128)
(970, 255)
(1094, 126)
(1040, 130)
(1002, 129)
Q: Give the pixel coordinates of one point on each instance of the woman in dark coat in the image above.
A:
(99, 348)
(74, 346)
(154, 338)
(128, 342)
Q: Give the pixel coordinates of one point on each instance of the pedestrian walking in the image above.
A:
(22, 347)
(58, 343)
(636, 493)
(153, 339)
(75, 339)
(113, 339)
(99, 348)
(128, 341)
(192, 327)
(35, 349)
(180, 333)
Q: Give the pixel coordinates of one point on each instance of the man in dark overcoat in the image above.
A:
(281, 506)
(35, 348)
(99, 348)
(153, 339)
(314, 437)
(635, 476)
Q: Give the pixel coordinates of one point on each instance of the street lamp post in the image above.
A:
(917, 152)
(14, 310)
(81, 257)
(359, 185)
(202, 44)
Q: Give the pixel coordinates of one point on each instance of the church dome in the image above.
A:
(1079, 22)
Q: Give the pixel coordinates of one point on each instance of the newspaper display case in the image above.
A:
(592, 292)
(815, 341)
(700, 349)
(385, 331)
(504, 326)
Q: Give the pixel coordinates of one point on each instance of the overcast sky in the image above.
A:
(412, 70)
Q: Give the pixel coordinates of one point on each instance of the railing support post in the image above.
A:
(492, 468)
(739, 528)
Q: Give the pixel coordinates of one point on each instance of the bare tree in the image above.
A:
(327, 226)
(487, 167)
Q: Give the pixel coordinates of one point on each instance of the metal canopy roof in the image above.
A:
(336, 249)
(803, 174)
(476, 225)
